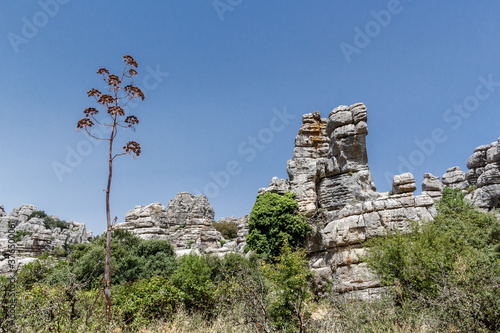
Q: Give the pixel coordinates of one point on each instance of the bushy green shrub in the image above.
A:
(274, 220)
(228, 230)
(144, 300)
(194, 277)
(131, 258)
(49, 222)
(451, 263)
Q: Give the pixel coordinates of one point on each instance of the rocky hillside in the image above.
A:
(330, 175)
(186, 223)
(33, 236)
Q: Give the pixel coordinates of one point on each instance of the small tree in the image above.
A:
(290, 288)
(274, 220)
(113, 103)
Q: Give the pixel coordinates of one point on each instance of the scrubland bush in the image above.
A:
(228, 230)
(443, 277)
(450, 264)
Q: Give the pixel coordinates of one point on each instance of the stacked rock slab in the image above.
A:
(329, 168)
(351, 180)
(187, 223)
(37, 238)
(485, 164)
(337, 256)
(279, 186)
(148, 222)
(454, 178)
(476, 164)
(432, 186)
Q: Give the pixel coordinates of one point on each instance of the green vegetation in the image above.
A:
(290, 289)
(49, 222)
(228, 230)
(274, 221)
(20, 234)
(442, 277)
(450, 265)
(132, 258)
(180, 227)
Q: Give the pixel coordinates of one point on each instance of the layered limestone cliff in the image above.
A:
(484, 173)
(33, 237)
(186, 223)
(334, 187)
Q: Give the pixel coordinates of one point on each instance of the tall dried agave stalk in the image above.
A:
(113, 103)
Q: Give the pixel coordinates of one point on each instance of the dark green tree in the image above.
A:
(131, 258)
(274, 220)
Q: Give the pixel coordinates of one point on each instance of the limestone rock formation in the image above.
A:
(279, 186)
(35, 236)
(476, 164)
(454, 178)
(186, 222)
(330, 175)
(404, 183)
(310, 161)
(329, 168)
(485, 164)
(432, 186)
(190, 222)
(148, 222)
(342, 238)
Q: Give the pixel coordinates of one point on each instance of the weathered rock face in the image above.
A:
(347, 130)
(190, 221)
(432, 186)
(338, 246)
(148, 222)
(35, 237)
(187, 223)
(310, 162)
(329, 168)
(279, 186)
(454, 178)
(485, 164)
(329, 174)
(476, 164)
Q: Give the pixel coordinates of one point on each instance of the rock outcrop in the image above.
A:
(454, 178)
(432, 186)
(484, 173)
(329, 169)
(337, 247)
(330, 175)
(33, 236)
(310, 162)
(279, 186)
(186, 223)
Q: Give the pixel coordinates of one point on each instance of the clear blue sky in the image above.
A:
(232, 64)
